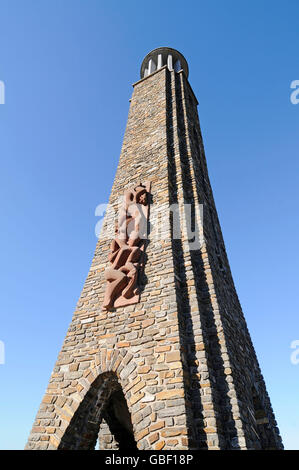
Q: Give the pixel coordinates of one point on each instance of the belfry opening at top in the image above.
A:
(161, 56)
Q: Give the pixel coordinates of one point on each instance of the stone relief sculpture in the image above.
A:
(127, 249)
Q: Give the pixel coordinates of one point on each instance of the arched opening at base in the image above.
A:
(118, 434)
(103, 403)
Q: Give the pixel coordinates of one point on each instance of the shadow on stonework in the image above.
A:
(103, 401)
(226, 430)
(142, 277)
(193, 403)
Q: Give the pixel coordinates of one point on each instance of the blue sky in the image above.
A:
(68, 67)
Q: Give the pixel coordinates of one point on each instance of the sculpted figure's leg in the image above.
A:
(131, 272)
(122, 257)
(117, 280)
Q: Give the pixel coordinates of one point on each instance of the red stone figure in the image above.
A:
(126, 250)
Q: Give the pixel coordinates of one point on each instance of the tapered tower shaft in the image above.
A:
(158, 355)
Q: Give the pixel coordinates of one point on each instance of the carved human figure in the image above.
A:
(125, 252)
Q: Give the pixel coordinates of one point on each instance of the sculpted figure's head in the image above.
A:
(141, 195)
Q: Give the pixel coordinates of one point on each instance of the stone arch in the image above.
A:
(103, 393)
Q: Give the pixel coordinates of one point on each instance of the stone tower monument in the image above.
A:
(158, 355)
